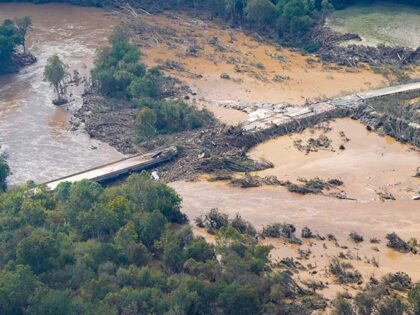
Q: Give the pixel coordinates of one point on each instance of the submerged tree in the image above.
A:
(54, 72)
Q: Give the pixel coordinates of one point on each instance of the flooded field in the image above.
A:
(33, 132)
(369, 164)
(386, 23)
(199, 53)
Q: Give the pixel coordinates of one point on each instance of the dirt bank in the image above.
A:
(219, 63)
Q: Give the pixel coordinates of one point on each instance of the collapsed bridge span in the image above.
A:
(122, 167)
(267, 120)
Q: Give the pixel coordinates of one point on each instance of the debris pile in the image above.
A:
(344, 272)
(281, 230)
(395, 242)
(313, 145)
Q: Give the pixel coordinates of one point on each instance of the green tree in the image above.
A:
(172, 246)
(262, 12)
(9, 39)
(16, 289)
(4, 172)
(237, 299)
(51, 302)
(145, 123)
(54, 72)
(414, 298)
(143, 87)
(150, 226)
(149, 195)
(23, 24)
(81, 197)
(39, 250)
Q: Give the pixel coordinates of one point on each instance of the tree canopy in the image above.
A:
(119, 74)
(54, 73)
(12, 35)
(85, 249)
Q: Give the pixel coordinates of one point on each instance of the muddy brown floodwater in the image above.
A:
(33, 132)
(370, 163)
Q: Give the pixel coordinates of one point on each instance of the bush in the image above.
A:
(261, 12)
(4, 172)
(355, 237)
(162, 117)
(395, 242)
(146, 123)
(392, 306)
(312, 47)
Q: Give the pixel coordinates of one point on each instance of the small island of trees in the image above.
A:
(12, 36)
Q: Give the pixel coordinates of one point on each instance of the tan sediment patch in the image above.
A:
(227, 116)
(369, 163)
(256, 63)
(362, 256)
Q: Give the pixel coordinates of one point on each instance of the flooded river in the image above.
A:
(33, 132)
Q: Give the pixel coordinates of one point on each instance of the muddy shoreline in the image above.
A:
(19, 61)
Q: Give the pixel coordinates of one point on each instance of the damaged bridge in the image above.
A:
(269, 117)
(119, 168)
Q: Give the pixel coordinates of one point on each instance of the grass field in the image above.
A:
(391, 24)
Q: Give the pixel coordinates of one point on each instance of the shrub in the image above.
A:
(355, 237)
(4, 172)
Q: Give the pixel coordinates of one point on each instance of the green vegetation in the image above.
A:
(12, 34)
(4, 172)
(126, 250)
(379, 297)
(290, 21)
(118, 74)
(85, 249)
(387, 23)
(24, 25)
(54, 72)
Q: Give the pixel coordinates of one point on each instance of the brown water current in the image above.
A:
(34, 133)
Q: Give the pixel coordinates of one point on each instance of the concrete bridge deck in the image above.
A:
(125, 166)
(266, 116)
